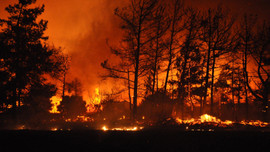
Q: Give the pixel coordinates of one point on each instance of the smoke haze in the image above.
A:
(81, 28)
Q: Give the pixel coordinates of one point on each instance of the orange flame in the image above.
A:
(134, 128)
(96, 100)
(204, 118)
(55, 101)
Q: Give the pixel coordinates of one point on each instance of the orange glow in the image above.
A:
(134, 128)
(104, 128)
(55, 101)
(205, 118)
(208, 118)
(54, 129)
(217, 122)
(96, 100)
(257, 123)
(84, 119)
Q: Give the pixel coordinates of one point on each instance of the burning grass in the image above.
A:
(205, 122)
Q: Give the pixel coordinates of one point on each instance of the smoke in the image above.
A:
(81, 28)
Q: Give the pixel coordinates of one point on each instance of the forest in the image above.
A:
(173, 61)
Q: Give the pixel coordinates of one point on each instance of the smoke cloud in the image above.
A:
(81, 28)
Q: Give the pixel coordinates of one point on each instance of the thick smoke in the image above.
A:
(81, 28)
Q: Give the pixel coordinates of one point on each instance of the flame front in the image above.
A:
(205, 118)
(134, 128)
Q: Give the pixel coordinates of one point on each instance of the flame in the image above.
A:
(211, 119)
(21, 127)
(55, 101)
(54, 129)
(104, 128)
(134, 128)
(208, 118)
(96, 100)
(84, 119)
(257, 123)
(205, 118)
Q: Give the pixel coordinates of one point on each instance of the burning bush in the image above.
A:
(156, 107)
(114, 110)
(72, 106)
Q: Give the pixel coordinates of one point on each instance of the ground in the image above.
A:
(147, 140)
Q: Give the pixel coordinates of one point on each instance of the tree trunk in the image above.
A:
(245, 68)
(170, 47)
(129, 95)
(212, 83)
(208, 60)
(156, 57)
(265, 102)
(238, 95)
(64, 86)
(137, 59)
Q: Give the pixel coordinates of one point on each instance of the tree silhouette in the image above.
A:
(176, 27)
(246, 34)
(27, 58)
(157, 47)
(260, 54)
(216, 35)
(73, 105)
(135, 23)
(188, 58)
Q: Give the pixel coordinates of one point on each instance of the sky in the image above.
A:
(81, 28)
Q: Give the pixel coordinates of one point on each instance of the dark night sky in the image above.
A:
(81, 27)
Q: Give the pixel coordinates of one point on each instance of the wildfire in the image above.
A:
(84, 119)
(257, 123)
(135, 128)
(217, 122)
(54, 129)
(205, 118)
(104, 128)
(55, 101)
(96, 100)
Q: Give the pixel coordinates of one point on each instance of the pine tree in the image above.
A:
(27, 57)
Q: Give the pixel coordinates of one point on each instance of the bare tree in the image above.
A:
(155, 54)
(218, 38)
(188, 56)
(246, 34)
(260, 54)
(176, 27)
(135, 22)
